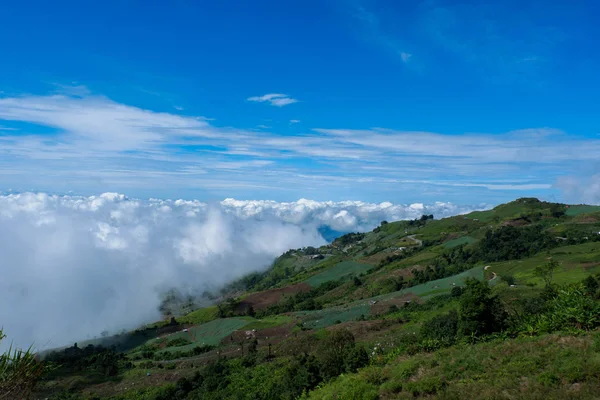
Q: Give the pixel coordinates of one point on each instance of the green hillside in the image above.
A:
(502, 303)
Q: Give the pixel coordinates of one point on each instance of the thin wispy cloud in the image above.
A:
(96, 142)
(377, 34)
(274, 99)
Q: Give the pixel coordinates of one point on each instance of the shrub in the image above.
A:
(480, 312)
(442, 327)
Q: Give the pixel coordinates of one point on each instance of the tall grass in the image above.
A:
(19, 372)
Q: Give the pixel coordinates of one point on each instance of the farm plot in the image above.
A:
(350, 312)
(343, 270)
(210, 333)
(331, 316)
(459, 241)
(573, 211)
(262, 300)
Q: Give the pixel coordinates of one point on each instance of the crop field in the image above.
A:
(343, 270)
(271, 321)
(577, 262)
(199, 316)
(459, 241)
(330, 316)
(436, 287)
(209, 333)
(573, 211)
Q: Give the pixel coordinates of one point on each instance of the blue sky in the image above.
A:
(374, 100)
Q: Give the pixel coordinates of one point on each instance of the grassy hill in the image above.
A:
(493, 304)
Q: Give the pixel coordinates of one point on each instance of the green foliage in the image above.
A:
(591, 285)
(509, 279)
(177, 342)
(199, 316)
(334, 352)
(509, 242)
(456, 291)
(572, 308)
(348, 239)
(96, 358)
(480, 312)
(443, 327)
(19, 372)
(546, 271)
(302, 300)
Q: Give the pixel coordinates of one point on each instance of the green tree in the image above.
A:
(591, 285)
(546, 271)
(480, 312)
(442, 327)
(332, 352)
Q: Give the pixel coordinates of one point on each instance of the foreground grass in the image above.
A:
(547, 367)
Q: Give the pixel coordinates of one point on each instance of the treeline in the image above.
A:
(348, 238)
(97, 358)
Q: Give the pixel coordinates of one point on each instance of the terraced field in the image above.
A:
(577, 262)
(343, 270)
(350, 312)
(573, 211)
(210, 333)
(459, 241)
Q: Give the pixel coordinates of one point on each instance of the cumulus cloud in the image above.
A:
(75, 266)
(275, 99)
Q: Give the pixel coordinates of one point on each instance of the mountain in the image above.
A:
(501, 303)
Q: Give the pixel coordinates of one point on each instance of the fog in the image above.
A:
(72, 267)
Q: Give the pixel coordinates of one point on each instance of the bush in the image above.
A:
(442, 327)
(456, 291)
(480, 312)
(509, 279)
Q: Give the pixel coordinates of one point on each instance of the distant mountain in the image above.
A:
(329, 234)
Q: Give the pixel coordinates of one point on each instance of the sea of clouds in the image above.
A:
(72, 267)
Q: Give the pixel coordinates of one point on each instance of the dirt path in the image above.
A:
(493, 273)
(414, 239)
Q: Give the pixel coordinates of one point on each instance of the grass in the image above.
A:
(459, 241)
(573, 211)
(343, 270)
(547, 367)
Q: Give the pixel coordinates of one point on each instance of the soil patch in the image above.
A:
(262, 300)
(264, 336)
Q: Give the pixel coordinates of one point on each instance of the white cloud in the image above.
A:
(275, 99)
(75, 266)
(294, 121)
(405, 56)
(580, 189)
(95, 144)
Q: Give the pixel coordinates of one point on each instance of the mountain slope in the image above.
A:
(405, 289)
